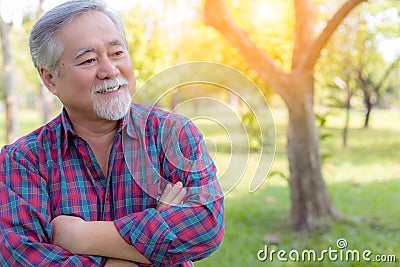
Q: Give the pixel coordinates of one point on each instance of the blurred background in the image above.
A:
(337, 59)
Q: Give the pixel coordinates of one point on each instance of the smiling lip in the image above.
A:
(109, 90)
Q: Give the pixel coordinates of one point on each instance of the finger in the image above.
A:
(162, 201)
(180, 197)
(166, 191)
(170, 197)
(161, 205)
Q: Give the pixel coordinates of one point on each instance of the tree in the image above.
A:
(353, 62)
(336, 69)
(339, 64)
(371, 86)
(310, 200)
(8, 82)
(148, 51)
(46, 98)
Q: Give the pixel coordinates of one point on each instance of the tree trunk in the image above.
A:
(367, 91)
(347, 116)
(309, 196)
(46, 98)
(8, 84)
(368, 106)
(310, 199)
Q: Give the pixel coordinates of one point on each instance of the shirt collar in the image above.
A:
(129, 122)
(69, 133)
(126, 122)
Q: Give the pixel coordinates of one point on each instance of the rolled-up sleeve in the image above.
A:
(25, 233)
(176, 234)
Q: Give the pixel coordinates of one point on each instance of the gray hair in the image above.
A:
(45, 49)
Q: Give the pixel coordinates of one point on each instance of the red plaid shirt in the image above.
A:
(53, 171)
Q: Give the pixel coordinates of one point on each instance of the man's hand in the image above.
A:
(171, 196)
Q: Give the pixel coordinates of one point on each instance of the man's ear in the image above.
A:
(48, 80)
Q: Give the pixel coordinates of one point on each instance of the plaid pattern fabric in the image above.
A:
(53, 171)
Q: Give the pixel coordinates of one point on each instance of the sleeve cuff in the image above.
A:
(148, 233)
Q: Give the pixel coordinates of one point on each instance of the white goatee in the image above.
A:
(111, 107)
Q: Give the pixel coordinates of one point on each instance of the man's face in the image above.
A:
(96, 74)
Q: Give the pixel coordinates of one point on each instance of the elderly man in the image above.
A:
(108, 182)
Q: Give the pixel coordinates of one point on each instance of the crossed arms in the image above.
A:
(32, 238)
(38, 183)
(81, 237)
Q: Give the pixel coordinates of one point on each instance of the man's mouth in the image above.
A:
(110, 86)
(109, 90)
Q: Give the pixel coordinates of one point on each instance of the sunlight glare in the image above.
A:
(12, 11)
(267, 11)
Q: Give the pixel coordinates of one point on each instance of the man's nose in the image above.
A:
(107, 69)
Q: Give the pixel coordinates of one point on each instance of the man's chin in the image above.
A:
(112, 110)
(113, 115)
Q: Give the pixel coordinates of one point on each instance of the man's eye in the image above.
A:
(89, 61)
(118, 53)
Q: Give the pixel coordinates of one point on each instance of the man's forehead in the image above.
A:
(93, 21)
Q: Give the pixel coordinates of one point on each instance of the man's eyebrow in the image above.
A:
(83, 51)
(116, 42)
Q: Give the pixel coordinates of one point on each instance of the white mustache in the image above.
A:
(109, 84)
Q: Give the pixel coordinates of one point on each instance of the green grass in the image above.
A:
(28, 120)
(363, 180)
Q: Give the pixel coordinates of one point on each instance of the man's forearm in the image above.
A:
(119, 263)
(99, 238)
(105, 240)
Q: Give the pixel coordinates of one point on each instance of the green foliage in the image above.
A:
(253, 131)
(146, 43)
(202, 43)
(387, 17)
(28, 79)
(270, 24)
(324, 133)
(353, 51)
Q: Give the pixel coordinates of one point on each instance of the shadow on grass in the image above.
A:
(372, 209)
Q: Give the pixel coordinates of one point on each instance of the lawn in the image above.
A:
(363, 180)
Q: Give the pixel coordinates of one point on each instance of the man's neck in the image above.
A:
(91, 126)
(99, 133)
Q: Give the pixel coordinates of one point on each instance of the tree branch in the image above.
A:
(393, 65)
(319, 43)
(305, 22)
(217, 16)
